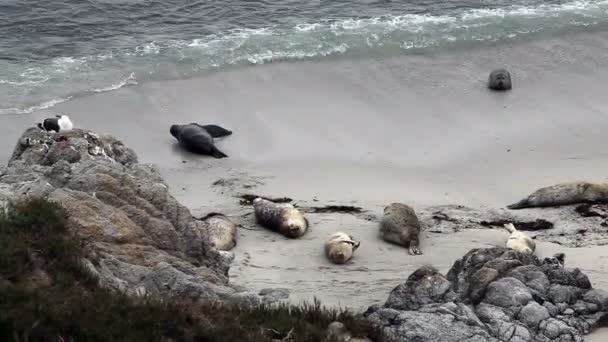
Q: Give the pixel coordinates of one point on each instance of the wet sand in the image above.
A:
(422, 130)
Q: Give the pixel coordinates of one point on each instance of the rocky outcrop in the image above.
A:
(493, 294)
(138, 238)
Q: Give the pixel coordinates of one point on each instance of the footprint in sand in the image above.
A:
(246, 259)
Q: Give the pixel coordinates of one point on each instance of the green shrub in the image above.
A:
(71, 307)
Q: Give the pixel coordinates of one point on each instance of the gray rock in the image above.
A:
(434, 323)
(564, 294)
(598, 297)
(532, 314)
(425, 285)
(140, 239)
(507, 292)
(511, 297)
(532, 276)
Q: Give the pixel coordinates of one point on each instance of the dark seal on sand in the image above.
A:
(500, 79)
(197, 139)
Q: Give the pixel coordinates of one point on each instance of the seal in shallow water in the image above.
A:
(564, 194)
(221, 231)
(519, 241)
(400, 225)
(339, 248)
(280, 217)
(194, 138)
(499, 80)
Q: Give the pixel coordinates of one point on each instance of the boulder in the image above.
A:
(138, 237)
(492, 294)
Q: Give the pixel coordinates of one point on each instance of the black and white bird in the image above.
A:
(60, 123)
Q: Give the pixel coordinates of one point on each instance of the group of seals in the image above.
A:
(399, 225)
(551, 196)
(58, 124)
(199, 139)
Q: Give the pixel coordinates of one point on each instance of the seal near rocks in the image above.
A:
(222, 232)
(281, 217)
(196, 139)
(564, 194)
(339, 248)
(558, 260)
(499, 79)
(519, 241)
(215, 130)
(60, 123)
(400, 225)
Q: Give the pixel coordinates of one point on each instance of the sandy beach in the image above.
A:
(421, 130)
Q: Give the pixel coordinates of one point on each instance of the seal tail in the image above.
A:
(519, 205)
(510, 227)
(218, 154)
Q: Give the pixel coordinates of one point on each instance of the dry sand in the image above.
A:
(421, 130)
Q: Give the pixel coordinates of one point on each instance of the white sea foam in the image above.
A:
(82, 75)
(43, 105)
(131, 80)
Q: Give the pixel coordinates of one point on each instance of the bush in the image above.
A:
(70, 306)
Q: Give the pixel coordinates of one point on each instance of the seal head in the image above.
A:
(499, 79)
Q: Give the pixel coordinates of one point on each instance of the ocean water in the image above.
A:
(52, 51)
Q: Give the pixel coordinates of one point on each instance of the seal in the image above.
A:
(60, 123)
(196, 139)
(339, 248)
(558, 260)
(499, 79)
(400, 225)
(280, 217)
(215, 130)
(519, 241)
(221, 231)
(564, 194)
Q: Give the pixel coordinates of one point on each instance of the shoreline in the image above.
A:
(422, 130)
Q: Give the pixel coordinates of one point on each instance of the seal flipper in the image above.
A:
(215, 130)
(519, 205)
(217, 153)
(414, 249)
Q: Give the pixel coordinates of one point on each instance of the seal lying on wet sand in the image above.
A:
(195, 138)
(339, 248)
(400, 225)
(499, 79)
(564, 194)
(281, 217)
(519, 241)
(222, 232)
